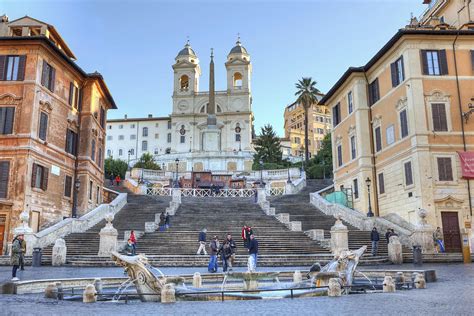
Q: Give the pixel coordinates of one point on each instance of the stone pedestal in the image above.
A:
(297, 278)
(98, 285)
(388, 284)
(395, 250)
(283, 217)
(59, 253)
(108, 237)
(29, 236)
(150, 227)
(316, 234)
(176, 196)
(339, 237)
(334, 288)
(261, 195)
(423, 234)
(289, 188)
(295, 226)
(168, 294)
(197, 280)
(89, 294)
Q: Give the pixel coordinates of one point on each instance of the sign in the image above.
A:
(55, 170)
(467, 164)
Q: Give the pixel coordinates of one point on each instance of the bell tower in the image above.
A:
(186, 72)
(239, 69)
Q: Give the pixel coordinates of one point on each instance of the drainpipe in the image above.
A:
(76, 162)
(372, 153)
(462, 117)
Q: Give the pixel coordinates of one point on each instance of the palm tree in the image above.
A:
(307, 96)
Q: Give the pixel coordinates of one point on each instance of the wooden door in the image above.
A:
(2, 232)
(452, 235)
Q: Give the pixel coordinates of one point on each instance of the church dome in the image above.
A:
(238, 49)
(187, 51)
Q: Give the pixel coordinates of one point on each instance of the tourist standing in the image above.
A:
(225, 252)
(23, 252)
(214, 245)
(111, 179)
(233, 249)
(253, 253)
(129, 248)
(244, 236)
(16, 255)
(387, 235)
(248, 233)
(438, 239)
(117, 180)
(167, 220)
(162, 221)
(374, 237)
(202, 242)
(133, 239)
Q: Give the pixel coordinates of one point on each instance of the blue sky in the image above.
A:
(133, 43)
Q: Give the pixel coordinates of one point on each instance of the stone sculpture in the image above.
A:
(339, 237)
(197, 280)
(51, 291)
(395, 250)
(388, 284)
(98, 285)
(400, 280)
(59, 253)
(168, 294)
(108, 237)
(419, 281)
(297, 277)
(89, 294)
(334, 289)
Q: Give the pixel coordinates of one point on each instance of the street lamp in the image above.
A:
(289, 179)
(369, 213)
(128, 162)
(77, 185)
(177, 164)
(261, 172)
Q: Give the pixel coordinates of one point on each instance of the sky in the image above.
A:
(133, 43)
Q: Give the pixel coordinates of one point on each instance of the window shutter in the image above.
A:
(67, 186)
(33, 175)
(43, 126)
(44, 73)
(21, 68)
(378, 139)
(52, 79)
(404, 123)
(79, 100)
(9, 118)
(381, 184)
(44, 181)
(472, 60)
(4, 173)
(71, 92)
(393, 68)
(403, 67)
(439, 117)
(408, 174)
(443, 62)
(424, 61)
(448, 169)
(3, 60)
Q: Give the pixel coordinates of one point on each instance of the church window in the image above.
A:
(237, 132)
(205, 109)
(184, 83)
(169, 138)
(237, 80)
(182, 132)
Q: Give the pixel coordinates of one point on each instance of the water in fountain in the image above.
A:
(152, 269)
(122, 288)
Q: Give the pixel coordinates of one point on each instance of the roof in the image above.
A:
(385, 49)
(49, 43)
(238, 49)
(187, 51)
(140, 119)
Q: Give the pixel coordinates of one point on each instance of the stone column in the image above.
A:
(59, 253)
(24, 229)
(261, 195)
(176, 195)
(423, 234)
(108, 237)
(395, 250)
(339, 237)
(289, 188)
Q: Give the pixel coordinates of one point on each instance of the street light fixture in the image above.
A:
(77, 185)
(289, 179)
(367, 182)
(128, 162)
(177, 164)
(261, 172)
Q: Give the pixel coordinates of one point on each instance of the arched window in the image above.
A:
(120, 152)
(145, 132)
(184, 83)
(204, 109)
(132, 152)
(237, 132)
(109, 153)
(237, 80)
(182, 133)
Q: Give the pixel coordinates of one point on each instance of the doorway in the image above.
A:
(3, 220)
(451, 232)
(35, 221)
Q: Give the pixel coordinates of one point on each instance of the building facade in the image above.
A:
(319, 117)
(399, 122)
(52, 128)
(182, 135)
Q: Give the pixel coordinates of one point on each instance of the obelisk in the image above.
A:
(211, 111)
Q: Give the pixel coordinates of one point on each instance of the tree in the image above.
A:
(115, 167)
(147, 161)
(307, 96)
(321, 164)
(268, 147)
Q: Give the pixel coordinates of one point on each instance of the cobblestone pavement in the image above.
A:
(451, 295)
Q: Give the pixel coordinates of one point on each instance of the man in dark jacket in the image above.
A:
(253, 253)
(374, 237)
(233, 249)
(387, 235)
(16, 255)
(212, 267)
(202, 242)
(167, 220)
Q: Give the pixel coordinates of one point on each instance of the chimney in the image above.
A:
(125, 116)
(150, 115)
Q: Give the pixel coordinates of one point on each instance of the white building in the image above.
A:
(183, 134)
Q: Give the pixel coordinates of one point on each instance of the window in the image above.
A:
(102, 117)
(99, 158)
(237, 80)
(133, 136)
(350, 106)
(374, 93)
(47, 76)
(390, 134)
(168, 150)
(355, 184)
(157, 136)
(184, 83)
(472, 59)
(120, 126)
(90, 190)
(336, 114)
(169, 138)
(71, 141)
(237, 137)
(43, 126)
(320, 131)
(110, 126)
(403, 123)
(132, 126)
(109, 153)
(109, 137)
(39, 177)
(398, 72)
(73, 95)
(156, 151)
(145, 132)
(93, 150)
(12, 67)
(121, 137)
(182, 139)
(7, 116)
(339, 155)
(4, 175)
(120, 152)
(157, 124)
(438, 113)
(378, 139)
(169, 124)
(144, 145)
(381, 184)
(445, 170)
(67, 186)
(97, 195)
(408, 173)
(297, 140)
(353, 147)
(434, 62)
(132, 151)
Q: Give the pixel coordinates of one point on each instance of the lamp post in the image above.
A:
(289, 179)
(324, 168)
(77, 185)
(176, 185)
(369, 213)
(261, 172)
(128, 162)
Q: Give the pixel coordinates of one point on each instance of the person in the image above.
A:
(387, 235)
(129, 248)
(438, 239)
(253, 253)
(244, 236)
(202, 242)
(248, 232)
(374, 237)
(233, 249)
(225, 252)
(117, 180)
(162, 221)
(393, 233)
(16, 255)
(111, 179)
(22, 257)
(214, 245)
(167, 220)
(133, 239)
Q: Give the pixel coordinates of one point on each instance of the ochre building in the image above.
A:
(399, 122)
(52, 128)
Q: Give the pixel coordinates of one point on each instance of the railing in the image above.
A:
(276, 191)
(213, 193)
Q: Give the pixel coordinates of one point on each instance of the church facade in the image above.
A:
(207, 130)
